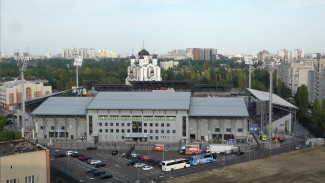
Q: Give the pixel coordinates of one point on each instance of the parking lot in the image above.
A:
(116, 165)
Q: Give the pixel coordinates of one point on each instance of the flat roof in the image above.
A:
(265, 96)
(218, 107)
(141, 100)
(65, 106)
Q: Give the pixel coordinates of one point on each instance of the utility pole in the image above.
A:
(270, 102)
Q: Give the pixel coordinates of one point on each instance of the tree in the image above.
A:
(301, 99)
(315, 119)
(2, 121)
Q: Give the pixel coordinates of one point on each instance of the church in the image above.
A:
(144, 67)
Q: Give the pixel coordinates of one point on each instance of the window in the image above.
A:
(100, 130)
(128, 131)
(162, 124)
(147, 118)
(106, 124)
(123, 137)
(90, 127)
(174, 131)
(159, 118)
(145, 131)
(156, 137)
(117, 131)
(117, 124)
(156, 131)
(62, 128)
(144, 124)
(162, 131)
(151, 137)
(29, 179)
(112, 130)
(122, 124)
(228, 130)
(112, 124)
(151, 124)
(126, 118)
(100, 124)
(240, 130)
(11, 181)
(106, 130)
(136, 118)
(102, 117)
(170, 118)
(217, 129)
(168, 124)
(122, 130)
(168, 131)
(151, 131)
(52, 127)
(129, 124)
(114, 117)
(184, 126)
(156, 125)
(41, 127)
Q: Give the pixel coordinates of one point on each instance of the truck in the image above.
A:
(202, 159)
(221, 148)
(278, 139)
(190, 150)
(314, 142)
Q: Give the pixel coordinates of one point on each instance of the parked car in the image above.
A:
(75, 155)
(68, 153)
(298, 147)
(81, 156)
(91, 148)
(99, 172)
(134, 155)
(98, 165)
(92, 170)
(92, 162)
(115, 152)
(58, 154)
(88, 161)
(105, 176)
(145, 158)
(238, 153)
(139, 165)
(132, 162)
(85, 158)
(147, 168)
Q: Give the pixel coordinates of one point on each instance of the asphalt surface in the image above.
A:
(116, 164)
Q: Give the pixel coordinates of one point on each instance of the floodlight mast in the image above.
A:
(77, 63)
(23, 67)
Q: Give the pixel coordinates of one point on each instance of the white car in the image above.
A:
(133, 155)
(139, 165)
(68, 153)
(92, 162)
(147, 168)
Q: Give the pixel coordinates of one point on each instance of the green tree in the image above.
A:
(301, 99)
(2, 121)
(316, 116)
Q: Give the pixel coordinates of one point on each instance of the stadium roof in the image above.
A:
(218, 107)
(264, 96)
(69, 106)
(141, 100)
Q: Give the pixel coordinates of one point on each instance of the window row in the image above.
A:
(228, 130)
(137, 118)
(129, 131)
(151, 137)
(129, 124)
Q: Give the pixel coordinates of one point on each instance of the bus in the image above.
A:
(175, 164)
(201, 159)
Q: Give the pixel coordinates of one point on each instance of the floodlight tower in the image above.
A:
(22, 68)
(249, 62)
(77, 63)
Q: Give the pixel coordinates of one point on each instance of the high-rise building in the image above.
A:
(284, 54)
(263, 55)
(297, 54)
(70, 53)
(204, 54)
(316, 87)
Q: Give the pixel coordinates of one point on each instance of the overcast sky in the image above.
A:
(231, 26)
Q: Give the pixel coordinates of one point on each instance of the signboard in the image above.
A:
(253, 128)
(78, 61)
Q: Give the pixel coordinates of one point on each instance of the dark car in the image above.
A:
(58, 154)
(98, 165)
(92, 170)
(85, 158)
(115, 152)
(75, 155)
(91, 148)
(105, 176)
(238, 153)
(132, 162)
(97, 173)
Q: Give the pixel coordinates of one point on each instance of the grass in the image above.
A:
(302, 166)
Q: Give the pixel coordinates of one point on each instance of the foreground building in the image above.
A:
(143, 117)
(24, 162)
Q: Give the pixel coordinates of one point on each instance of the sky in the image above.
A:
(231, 26)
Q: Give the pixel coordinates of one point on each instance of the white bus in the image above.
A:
(175, 164)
